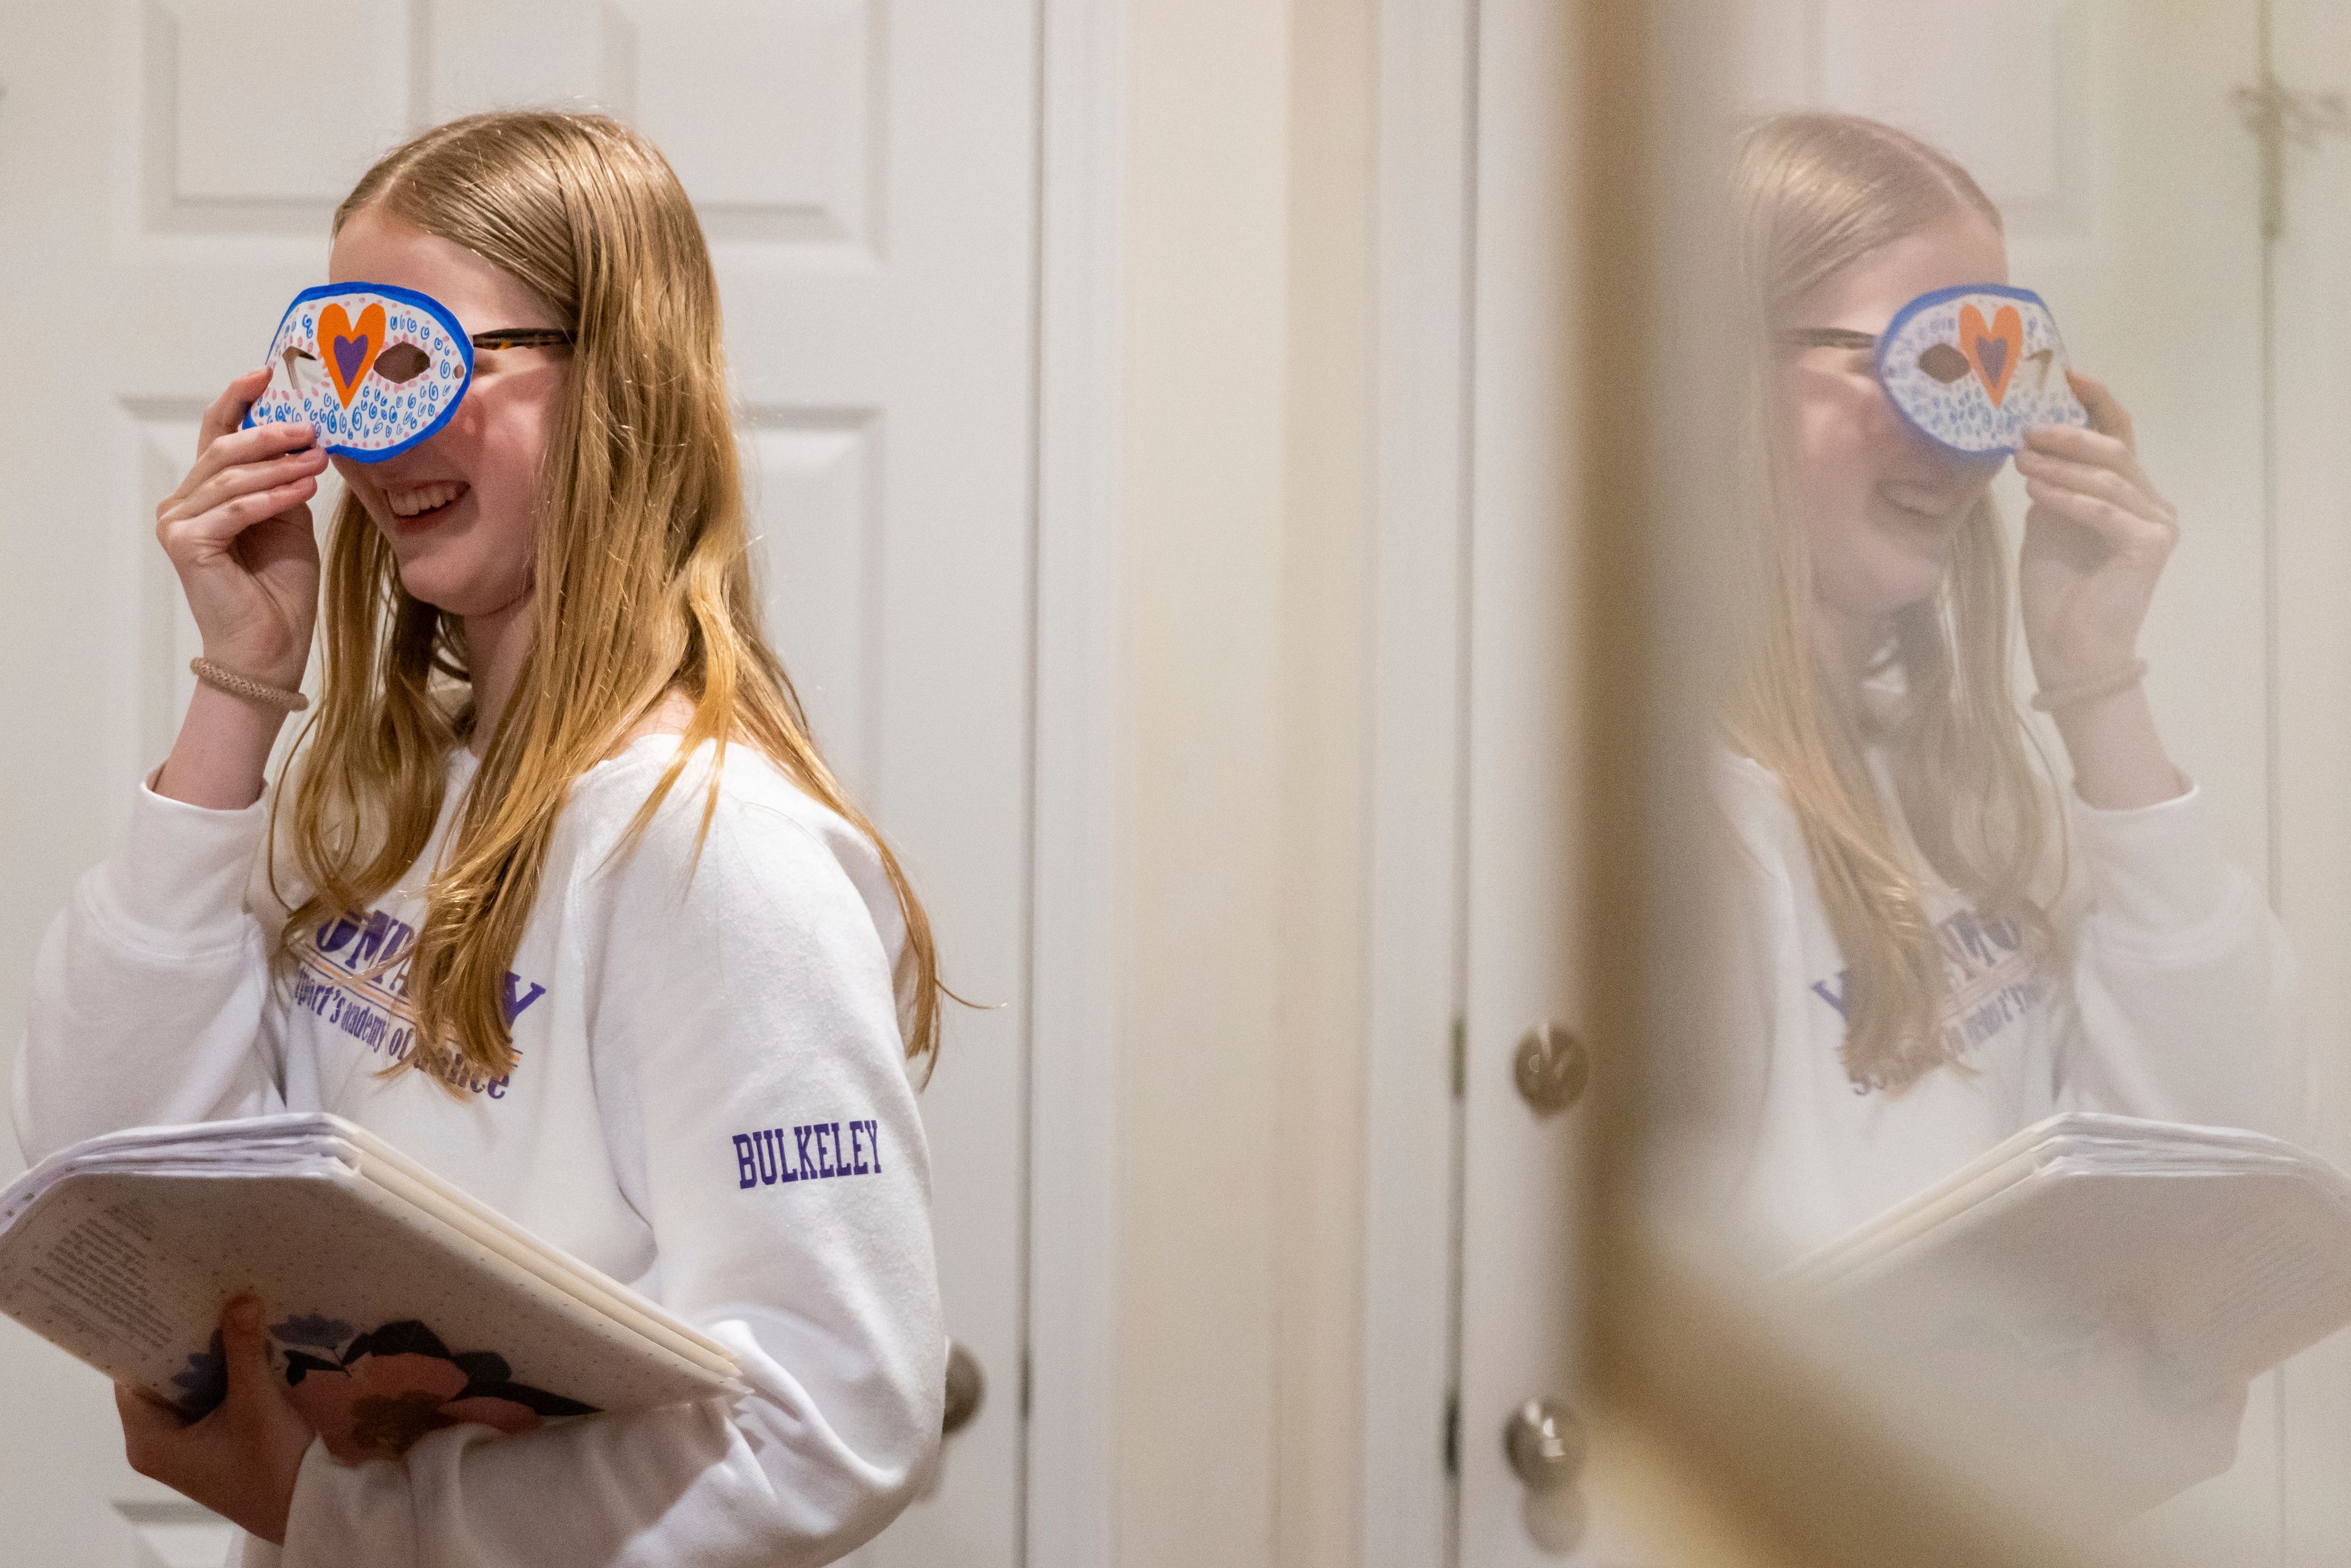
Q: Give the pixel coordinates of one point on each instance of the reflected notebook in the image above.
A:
(2230, 1250)
(2225, 1247)
(2079, 1310)
(396, 1304)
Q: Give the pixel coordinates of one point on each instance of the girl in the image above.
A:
(557, 820)
(1940, 952)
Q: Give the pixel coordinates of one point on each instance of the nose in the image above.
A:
(1960, 468)
(1934, 462)
(393, 472)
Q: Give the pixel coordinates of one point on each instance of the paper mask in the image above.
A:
(374, 368)
(1972, 368)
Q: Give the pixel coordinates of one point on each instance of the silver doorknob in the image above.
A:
(966, 1388)
(1545, 1445)
(1544, 1442)
(1551, 1069)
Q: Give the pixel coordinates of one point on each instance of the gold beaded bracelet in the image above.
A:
(245, 686)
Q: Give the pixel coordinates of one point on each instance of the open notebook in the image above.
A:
(396, 1304)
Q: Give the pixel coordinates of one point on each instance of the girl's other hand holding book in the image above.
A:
(241, 1460)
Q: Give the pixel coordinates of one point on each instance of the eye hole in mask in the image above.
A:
(1972, 368)
(402, 363)
(1944, 362)
(374, 368)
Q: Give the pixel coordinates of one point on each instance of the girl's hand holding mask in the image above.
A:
(2095, 539)
(238, 532)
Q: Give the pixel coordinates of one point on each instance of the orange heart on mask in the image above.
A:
(349, 351)
(1992, 349)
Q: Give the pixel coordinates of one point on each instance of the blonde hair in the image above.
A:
(641, 585)
(1814, 193)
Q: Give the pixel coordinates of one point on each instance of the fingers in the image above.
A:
(2107, 415)
(227, 451)
(229, 409)
(2093, 447)
(242, 479)
(2119, 526)
(273, 1435)
(245, 1346)
(227, 505)
(2123, 490)
(2092, 476)
(2098, 463)
(199, 539)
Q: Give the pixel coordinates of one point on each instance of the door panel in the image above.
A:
(865, 171)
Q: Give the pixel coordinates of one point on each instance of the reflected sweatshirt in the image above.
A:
(666, 1013)
(2176, 1005)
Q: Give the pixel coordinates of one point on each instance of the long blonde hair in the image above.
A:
(1814, 193)
(641, 585)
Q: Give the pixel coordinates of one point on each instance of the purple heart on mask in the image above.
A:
(1993, 352)
(348, 353)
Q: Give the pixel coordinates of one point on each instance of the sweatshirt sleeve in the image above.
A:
(150, 990)
(756, 1100)
(2184, 978)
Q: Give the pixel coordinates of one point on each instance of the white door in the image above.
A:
(866, 174)
(1473, 1294)
(1520, 1285)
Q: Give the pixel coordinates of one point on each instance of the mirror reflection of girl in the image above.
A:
(1957, 939)
(591, 858)
(1943, 936)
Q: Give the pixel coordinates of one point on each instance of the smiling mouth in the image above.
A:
(425, 504)
(1922, 506)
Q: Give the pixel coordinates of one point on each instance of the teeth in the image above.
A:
(409, 502)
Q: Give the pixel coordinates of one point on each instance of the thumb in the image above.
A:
(245, 1344)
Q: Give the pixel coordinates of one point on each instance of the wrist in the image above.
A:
(219, 760)
(2119, 762)
(2097, 686)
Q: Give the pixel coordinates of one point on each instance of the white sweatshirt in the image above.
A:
(659, 1021)
(2177, 1005)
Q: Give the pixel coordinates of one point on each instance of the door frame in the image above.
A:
(1425, 192)
(1069, 1385)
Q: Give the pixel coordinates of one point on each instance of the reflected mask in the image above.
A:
(1972, 368)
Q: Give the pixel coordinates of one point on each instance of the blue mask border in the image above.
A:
(1927, 301)
(424, 302)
